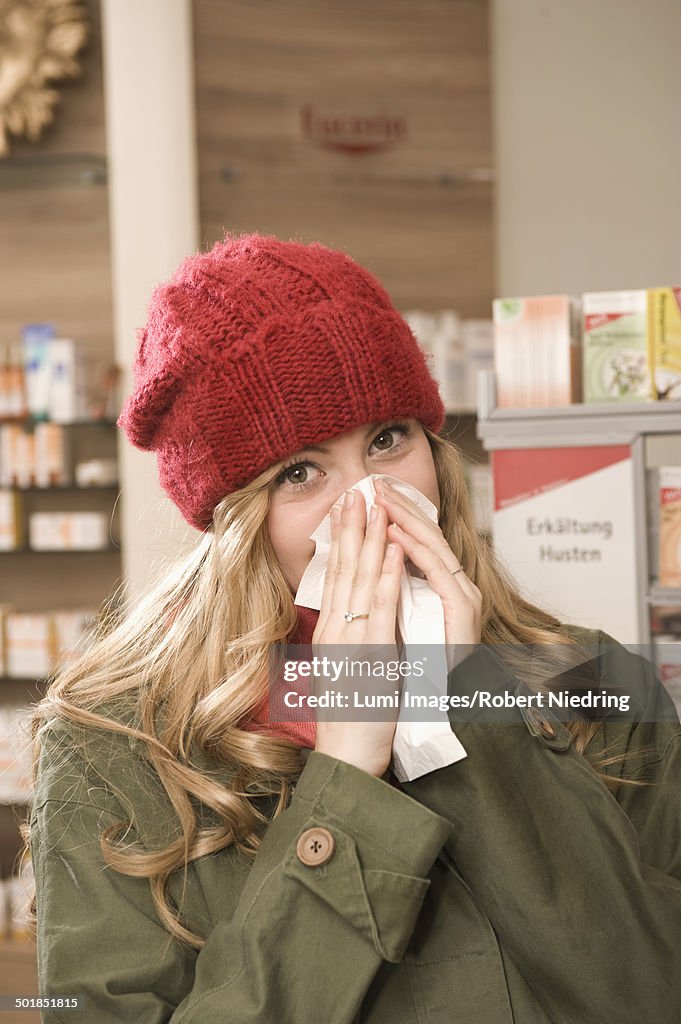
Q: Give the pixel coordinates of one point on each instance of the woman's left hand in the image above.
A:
(424, 544)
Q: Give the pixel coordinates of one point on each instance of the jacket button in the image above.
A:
(546, 727)
(315, 847)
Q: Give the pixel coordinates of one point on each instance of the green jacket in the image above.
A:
(509, 888)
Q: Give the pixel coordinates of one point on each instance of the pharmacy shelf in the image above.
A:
(61, 551)
(587, 424)
(30, 421)
(577, 424)
(35, 489)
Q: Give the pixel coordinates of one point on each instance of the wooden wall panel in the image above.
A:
(54, 237)
(418, 212)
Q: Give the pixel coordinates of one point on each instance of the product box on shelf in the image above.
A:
(15, 755)
(41, 457)
(9, 455)
(439, 334)
(17, 456)
(478, 347)
(667, 653)
(58, 379)
(616, 366)
(30, 644)
(12, 390)
(53, 463)
(11, 521)
(5, 610)
(19, 892)
(37, 643)
(96, 472)
(664, 342)
(68, 531)
(71, 626)
(36, 340)
(537, 351)
(83, 386)
(669, 569)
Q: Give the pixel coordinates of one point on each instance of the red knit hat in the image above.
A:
(258, 348)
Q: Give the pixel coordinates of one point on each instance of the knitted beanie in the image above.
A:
(261, 347)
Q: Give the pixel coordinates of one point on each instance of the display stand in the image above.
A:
(562, 473)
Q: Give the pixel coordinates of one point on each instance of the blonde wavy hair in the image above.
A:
(193, 657)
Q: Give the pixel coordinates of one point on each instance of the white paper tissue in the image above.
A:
(418, 747)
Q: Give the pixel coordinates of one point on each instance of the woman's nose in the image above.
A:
(352, 474)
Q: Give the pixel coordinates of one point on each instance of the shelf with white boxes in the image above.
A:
(36, 489)
(76, 483)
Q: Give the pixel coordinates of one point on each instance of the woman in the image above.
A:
(196, 864)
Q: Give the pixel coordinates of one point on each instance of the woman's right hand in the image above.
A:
(362, 575)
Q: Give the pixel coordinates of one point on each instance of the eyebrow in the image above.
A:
(325, 451)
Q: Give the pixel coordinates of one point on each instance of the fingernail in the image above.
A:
(391, 550)
(349, 499)
(335, 515)
(373, 513)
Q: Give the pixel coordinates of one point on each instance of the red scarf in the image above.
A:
(303, 731)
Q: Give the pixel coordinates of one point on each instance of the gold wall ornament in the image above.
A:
(38, 43)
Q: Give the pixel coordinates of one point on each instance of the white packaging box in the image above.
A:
(61, 402)
(15, 755)
(96, 472)
(36, 340)
(69, 627)
(667, 650)
(68, 531)
(70, 369)
(21, 889)
(478, 347)
(439, 335)
(423, 326)
(66, 381)
(30, 644)
(451, 359)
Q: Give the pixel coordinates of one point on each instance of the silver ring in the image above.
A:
(454, 571)
(349, 616)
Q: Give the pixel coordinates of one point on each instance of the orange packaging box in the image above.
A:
(537, 351)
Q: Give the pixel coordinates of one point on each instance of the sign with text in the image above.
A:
(564, 526)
